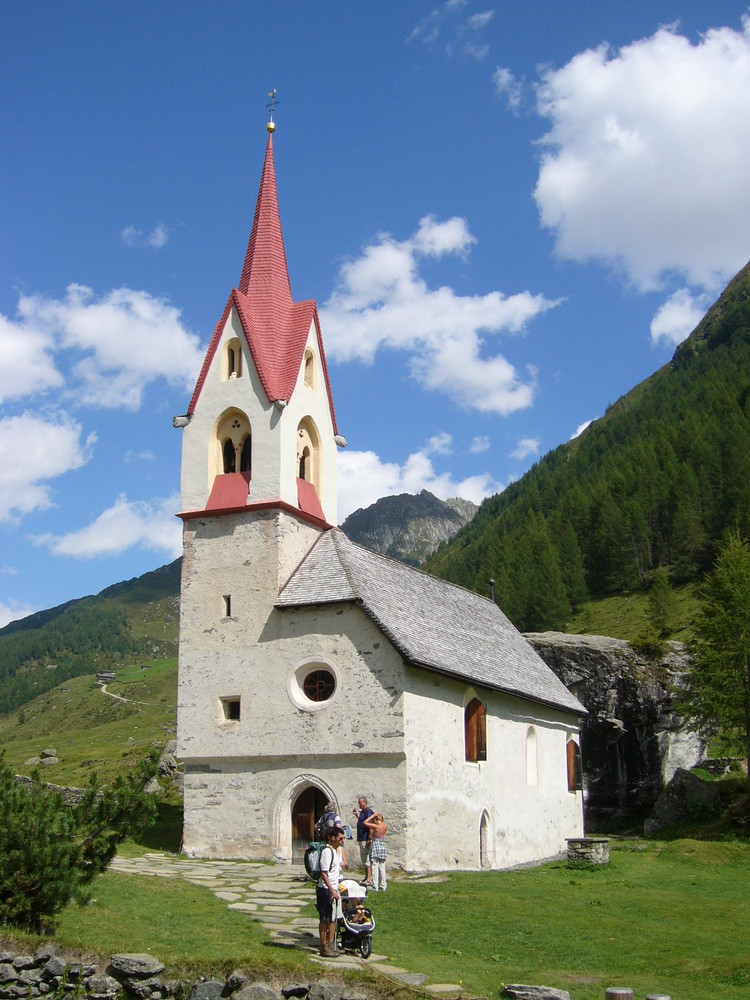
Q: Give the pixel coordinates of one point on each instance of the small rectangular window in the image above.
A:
(227, 599)
(231, 709)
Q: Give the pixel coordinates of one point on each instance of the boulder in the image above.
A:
(521, 992)
(324, 990)
(633, 739)
(686, 795)
(257, 991)
(141, 966)
(207, 989)
(101, 987)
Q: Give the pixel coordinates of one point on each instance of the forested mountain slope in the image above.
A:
(137, 618)
(656, 481)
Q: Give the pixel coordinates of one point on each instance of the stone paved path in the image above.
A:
(273, 895)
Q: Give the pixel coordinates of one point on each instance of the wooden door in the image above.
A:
(308, 807)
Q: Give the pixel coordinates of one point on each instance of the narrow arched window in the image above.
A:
(232, 367)
(475, 731)
(309, 369)
(246, 456)
(229, 455)
(573, 753)
(532, 773)
(304, 464)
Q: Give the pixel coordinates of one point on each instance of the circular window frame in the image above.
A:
(296, 680)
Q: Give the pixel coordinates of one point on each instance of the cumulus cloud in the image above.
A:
(33, 450)
(364, 478)
(678, 317)
(381, 302)
(479, 444)
(645, 164)
(111, 340)
(124, 525)
(27, 364)
(524, 448)
(13, 611)
(581, 428)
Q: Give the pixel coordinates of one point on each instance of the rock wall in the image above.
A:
(633, 740)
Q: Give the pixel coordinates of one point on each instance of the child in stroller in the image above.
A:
(357, 923)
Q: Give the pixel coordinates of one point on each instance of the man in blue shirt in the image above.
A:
(364, 836)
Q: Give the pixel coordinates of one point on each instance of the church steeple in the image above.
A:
(262, 405)
(265, 276)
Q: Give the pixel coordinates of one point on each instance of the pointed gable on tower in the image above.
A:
(275, 327)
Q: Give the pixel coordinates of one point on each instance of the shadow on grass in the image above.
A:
(165, 834)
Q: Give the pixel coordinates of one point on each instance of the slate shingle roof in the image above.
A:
(433, 624)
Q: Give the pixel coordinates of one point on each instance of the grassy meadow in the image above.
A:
(664, 917)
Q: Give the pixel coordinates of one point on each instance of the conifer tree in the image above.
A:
(50, 851)
(718, 687)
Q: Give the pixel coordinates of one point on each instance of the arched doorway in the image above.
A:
(308, 807)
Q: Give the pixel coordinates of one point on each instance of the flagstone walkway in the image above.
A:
(274, 896)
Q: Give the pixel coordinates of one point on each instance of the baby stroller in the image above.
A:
(356, 923)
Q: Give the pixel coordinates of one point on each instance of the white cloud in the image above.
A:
(524, 448)
(479, 444)
(645, 165)
(26, 363)
(581, 428)
(678, 317)
(156, 239)
(124, 525)
(118, 343)
(34, 449)
(381, 302)
(131, 236)
(14, 611)
(142, 456)
(508, 86)
(364, 478)
(462, 34)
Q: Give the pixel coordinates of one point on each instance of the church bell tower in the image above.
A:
(258, 487)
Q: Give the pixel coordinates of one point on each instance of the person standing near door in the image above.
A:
(364, 836)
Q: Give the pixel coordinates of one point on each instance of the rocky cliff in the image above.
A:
(633, 740)
(409, 526)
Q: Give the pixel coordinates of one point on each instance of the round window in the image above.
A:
(312, 686)
(319, 685)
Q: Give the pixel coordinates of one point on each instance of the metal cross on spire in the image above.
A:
(271, 105)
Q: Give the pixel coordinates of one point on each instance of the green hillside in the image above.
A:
(655, 482)
(94, 730)
(132, 621)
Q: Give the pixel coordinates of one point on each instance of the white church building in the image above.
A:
(311, 668)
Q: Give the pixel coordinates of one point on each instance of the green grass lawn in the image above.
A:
(664, 917)
(624, 616)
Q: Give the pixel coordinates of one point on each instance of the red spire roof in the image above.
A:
(275, 326)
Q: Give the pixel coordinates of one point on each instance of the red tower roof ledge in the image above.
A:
(275, 326)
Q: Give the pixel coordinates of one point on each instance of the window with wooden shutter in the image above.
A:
(575, 782)
(475, 731)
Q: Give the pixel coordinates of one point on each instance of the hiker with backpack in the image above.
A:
(327, 898)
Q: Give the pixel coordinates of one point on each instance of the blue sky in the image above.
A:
(508, 213)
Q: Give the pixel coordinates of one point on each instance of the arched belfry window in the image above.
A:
(475, 731)
(232, 363)
(232, 444)
(308, 453)
(309, 372)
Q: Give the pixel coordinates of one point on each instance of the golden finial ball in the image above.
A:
(271, 127)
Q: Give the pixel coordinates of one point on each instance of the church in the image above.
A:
(311, 669)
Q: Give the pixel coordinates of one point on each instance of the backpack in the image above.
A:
(326, 822)
(312, 858)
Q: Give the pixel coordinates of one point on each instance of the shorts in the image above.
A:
(364, 852)
(324, 903)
